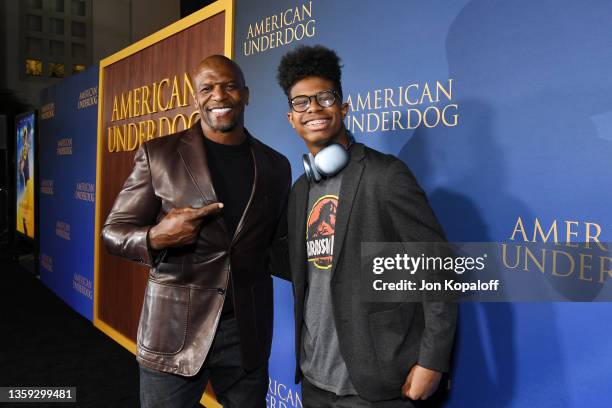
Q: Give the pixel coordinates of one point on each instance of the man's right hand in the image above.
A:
(180, 226)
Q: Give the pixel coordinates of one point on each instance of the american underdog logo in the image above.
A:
(46, 262)
(64, 147)
(62, 230)
(167, 94)
(47, 111)
(576, 252)
(282, 396)
(403, 107)
(46, 187)
(280, 29)
(85, 192)
(88, 97)
(82, 285)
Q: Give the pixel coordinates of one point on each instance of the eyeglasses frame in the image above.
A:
(333, 92)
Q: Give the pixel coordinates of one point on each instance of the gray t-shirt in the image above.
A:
(321, 361)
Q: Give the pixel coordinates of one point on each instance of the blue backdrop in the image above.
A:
(503, 110)
(67, 188)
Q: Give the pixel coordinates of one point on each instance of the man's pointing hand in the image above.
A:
(180, 226)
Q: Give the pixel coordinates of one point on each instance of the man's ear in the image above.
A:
(290, 119)
(246, 95)
(344, 108)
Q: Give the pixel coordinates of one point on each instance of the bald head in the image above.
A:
(218, 62)
(220, 96)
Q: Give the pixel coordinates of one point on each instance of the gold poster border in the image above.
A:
(217, 7)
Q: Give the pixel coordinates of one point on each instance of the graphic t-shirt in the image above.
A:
(321, 362)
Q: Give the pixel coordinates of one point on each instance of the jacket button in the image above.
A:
(220, 291)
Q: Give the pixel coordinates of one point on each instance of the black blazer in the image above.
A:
(380, 201)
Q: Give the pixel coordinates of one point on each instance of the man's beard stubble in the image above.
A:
(224, 127)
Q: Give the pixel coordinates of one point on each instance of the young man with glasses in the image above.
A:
(351, 353)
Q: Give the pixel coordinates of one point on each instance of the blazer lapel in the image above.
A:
(193, 155)
(260, 168)
(351, 176)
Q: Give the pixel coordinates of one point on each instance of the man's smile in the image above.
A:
(317, 123)
(220, 111)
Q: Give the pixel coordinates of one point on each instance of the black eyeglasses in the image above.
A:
(325, 99)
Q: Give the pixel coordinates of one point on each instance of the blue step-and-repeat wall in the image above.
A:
(68, 126)
(502, 109)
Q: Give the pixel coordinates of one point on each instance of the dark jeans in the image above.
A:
(315, 397)
(234, 387)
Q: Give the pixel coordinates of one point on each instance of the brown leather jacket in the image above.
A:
(186, 286)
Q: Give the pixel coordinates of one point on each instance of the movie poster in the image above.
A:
(25, 127)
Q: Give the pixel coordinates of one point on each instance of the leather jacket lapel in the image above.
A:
(193, 154)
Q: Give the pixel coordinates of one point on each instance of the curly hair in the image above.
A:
(309, 61)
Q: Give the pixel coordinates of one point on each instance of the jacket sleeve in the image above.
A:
(278, 264)
(279, 251)
(125, 232)
(414, 221)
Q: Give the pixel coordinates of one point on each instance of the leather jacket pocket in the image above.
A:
(163, 322)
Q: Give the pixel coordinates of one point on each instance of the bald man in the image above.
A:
(201, 208)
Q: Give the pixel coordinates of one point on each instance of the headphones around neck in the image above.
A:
(328, 162)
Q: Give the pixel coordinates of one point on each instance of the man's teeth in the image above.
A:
(316, 122)
(220, 110)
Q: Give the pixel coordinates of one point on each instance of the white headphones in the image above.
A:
(328, 162)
